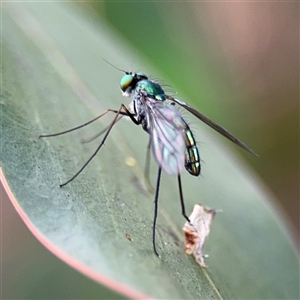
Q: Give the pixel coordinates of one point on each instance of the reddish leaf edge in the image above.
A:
(78, 266)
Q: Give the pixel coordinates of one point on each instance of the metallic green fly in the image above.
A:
(171, 140)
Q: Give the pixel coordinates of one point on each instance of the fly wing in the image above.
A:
(166, 129)
(213, 125)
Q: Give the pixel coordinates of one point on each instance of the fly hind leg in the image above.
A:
(182, 200)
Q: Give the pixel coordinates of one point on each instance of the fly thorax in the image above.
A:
(151, 89)
(139, 110)
(137, 104)
(143, 119)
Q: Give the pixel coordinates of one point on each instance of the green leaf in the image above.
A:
(54, 79)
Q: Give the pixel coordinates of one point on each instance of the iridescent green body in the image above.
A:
(172, 141)
(152, 89)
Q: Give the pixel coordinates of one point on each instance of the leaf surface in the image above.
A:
(101, 223)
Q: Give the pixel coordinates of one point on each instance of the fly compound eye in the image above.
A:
(126, 83)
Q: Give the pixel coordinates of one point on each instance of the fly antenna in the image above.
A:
(113, 65)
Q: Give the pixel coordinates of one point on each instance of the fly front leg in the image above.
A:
(122, 111)
(90, 139)
(87, 123)
(118, 112)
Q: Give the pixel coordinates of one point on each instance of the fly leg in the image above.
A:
(83, 125)
(105, 136)
(155, 209)
(118, 112)
(90, 139)
(181, 200)
(147, 170)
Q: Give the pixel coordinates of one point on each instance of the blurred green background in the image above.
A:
(245, 54)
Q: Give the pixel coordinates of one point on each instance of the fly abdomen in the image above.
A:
(192, 157)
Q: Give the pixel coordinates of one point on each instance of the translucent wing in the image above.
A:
(212, 124)
(166, 129)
